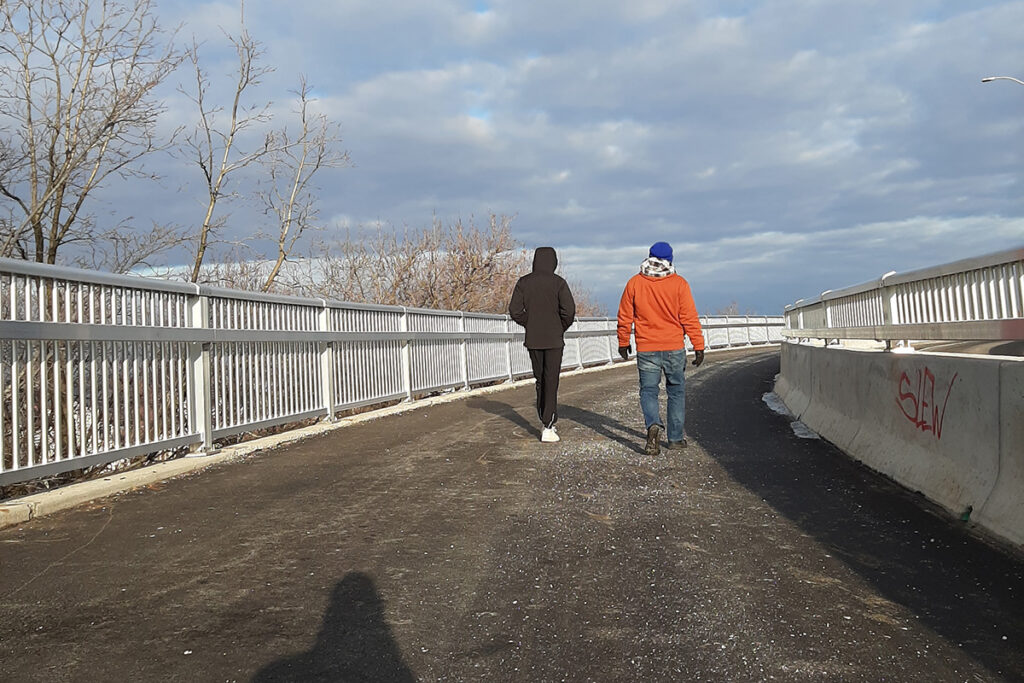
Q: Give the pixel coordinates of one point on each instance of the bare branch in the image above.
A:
(76, 85)
(290, 195)
(458, 267)
(213, 146)
(123, 250)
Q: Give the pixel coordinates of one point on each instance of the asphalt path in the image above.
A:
(448, 544)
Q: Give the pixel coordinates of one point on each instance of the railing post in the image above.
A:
(608, 339)
(464, 344)
(200, 415)
(890, 314)
(406, 355)
(579, 347)
(508, 346)
(890, 309)
(327, 365)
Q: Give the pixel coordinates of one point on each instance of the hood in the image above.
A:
(544, 260)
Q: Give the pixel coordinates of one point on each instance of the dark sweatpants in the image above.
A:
(547, 363)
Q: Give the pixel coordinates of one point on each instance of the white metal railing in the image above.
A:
(97, 368)
(977, 298)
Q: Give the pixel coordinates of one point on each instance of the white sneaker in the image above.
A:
(549, 435)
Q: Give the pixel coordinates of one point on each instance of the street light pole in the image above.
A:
(1001, 78)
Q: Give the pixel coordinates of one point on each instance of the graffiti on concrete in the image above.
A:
(916, 399)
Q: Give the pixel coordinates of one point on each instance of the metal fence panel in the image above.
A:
(71, 400)
(366, 372)
(487, 359)
(716, 332)
(969, 299)
(758, 332)
(98, 367)
(521, 366)
(261, 382)
(436, 364)
(738, 335)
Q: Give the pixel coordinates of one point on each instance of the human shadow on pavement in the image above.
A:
(354, 643)
(607, 427)
(506, 411)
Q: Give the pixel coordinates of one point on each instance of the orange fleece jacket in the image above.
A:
(662, 311)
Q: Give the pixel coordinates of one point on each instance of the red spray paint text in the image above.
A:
(916, 399)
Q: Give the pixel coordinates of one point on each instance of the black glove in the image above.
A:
(698, 358)
(624, 351)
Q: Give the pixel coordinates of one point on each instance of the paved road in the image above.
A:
(447, 543)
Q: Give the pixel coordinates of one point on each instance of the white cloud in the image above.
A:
(783, 146)
(552, 178)
(572, 208)
(475, 128)
(477, 27)
(732, 268)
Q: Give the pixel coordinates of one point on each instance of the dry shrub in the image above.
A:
(459, 267)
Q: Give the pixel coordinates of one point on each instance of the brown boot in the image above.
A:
(653, 446)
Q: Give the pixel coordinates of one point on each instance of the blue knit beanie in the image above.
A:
(662, 250)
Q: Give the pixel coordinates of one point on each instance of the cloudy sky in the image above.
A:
(783, 147)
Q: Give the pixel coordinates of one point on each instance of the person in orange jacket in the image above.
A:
(657, 306)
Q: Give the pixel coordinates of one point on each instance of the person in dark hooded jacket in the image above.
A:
(542, 303)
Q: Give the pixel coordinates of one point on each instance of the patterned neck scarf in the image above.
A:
(656, 267)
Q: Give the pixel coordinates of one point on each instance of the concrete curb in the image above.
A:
(14, 513)
(21, 510)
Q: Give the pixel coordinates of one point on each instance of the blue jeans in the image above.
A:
(651, 365)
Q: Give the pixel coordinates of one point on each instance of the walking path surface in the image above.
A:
(448, 543)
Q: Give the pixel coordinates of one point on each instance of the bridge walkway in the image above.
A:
(447, 543)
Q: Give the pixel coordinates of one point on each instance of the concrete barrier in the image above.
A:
(949, 426)
(1003, 512)
(794, 382)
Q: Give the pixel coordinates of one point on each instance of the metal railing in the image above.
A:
(97, 368)
(973, 299)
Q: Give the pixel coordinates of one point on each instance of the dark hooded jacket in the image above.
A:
(542, 303)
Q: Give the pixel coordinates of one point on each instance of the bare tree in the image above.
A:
(121, 251)
(732, 309)
(586, 304)
(289, 195)
(461, 266)
(479, 266)
(76, 100)
(237, 270)
(213, 144)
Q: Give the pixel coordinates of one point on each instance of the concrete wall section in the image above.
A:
(794, 382)
(933, 425)
(1003, 512)
(948, 426)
